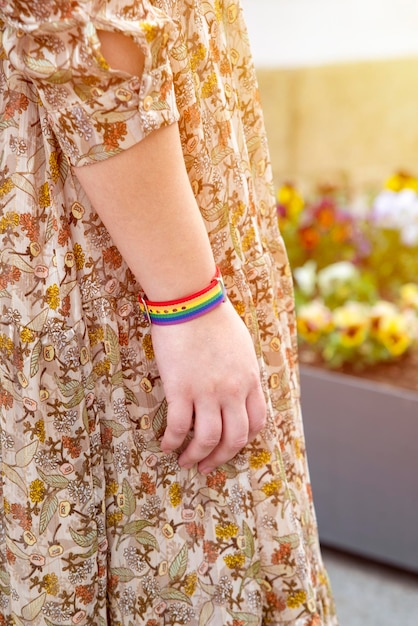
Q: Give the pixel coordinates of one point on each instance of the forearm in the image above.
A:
(145, 200)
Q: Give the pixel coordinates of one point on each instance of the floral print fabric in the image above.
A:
(97, 525)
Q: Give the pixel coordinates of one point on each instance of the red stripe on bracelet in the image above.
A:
(187, 308)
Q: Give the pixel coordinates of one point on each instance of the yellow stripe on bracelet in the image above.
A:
(185, 309)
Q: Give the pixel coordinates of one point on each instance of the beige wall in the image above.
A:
(355, 122)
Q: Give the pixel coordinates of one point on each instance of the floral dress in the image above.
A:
(97, 526)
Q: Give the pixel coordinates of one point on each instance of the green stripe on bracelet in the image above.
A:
(185, 309)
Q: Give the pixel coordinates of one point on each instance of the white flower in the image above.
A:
(333, 275)
(305, 277)
(396, 210)
(409, 235)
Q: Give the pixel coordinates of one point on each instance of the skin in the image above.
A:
(208, 366)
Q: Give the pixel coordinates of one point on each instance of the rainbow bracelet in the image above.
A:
(185, 309)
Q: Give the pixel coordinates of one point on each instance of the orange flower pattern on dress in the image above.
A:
(98, 526)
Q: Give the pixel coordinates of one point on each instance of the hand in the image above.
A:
(210, 372)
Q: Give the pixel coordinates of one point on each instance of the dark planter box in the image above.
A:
(362, 443)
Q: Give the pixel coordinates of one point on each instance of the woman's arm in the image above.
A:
(208, 366)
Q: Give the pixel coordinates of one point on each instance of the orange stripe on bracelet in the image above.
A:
(185, 309)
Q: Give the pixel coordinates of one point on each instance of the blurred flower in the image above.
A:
(401, 180)
(409, 295)
(290, 202)
(355, 271)
(332, 276)
(352, 321)
(309, 237)
(398, 210)
(379, 312)
(325, 214)
(394, 334)
(314, 319)
(305, 277)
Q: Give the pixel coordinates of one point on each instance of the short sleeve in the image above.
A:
(94, 111)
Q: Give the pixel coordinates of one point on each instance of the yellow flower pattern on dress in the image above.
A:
(98, 526)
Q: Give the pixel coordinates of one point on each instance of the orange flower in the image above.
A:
(325, 215)
(217, 479)
(211, 551)
(281, 554)
(10, 559)
(276, 603)
(113, 134)
(29, 224)
(72, 445)
(113, 257)
(192, 116)
(85, 593)
(147, 483)
(309, 237)
(195, 530)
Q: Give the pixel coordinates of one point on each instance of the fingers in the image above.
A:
(235, 428)
(207, 433)
(218, 434)
(240, 424)
(179, 423)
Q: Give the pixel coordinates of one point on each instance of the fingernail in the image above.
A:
(206, 470)
(186, 465)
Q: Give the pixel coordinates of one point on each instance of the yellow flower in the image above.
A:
(299, 448)
(313, 320)
(147, 346)
(259, 459)
(234, 560)
(239, 307)
(248, 239)
(96, 336)
(272, 488)
(7, 507)
(210, 85)
(150, 31)
(175, 494)
(112, 488)
(227, 531)
(113, 519)
(6, 187)
(53, 166)
(394, 334)
(51, 585)
(198, 56)
(44, 198)
(190, 584)
(353, 323)
(52, 296)
(10, 219)
(37, 490)
(218, 10)
(6, 344)
(40, 430)
(296, 599)
(409, 295)
(26, 335)
(378, 312)
(400, 181)
(238, 213)
(79, 255)
(102, 367)
(289, 198)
